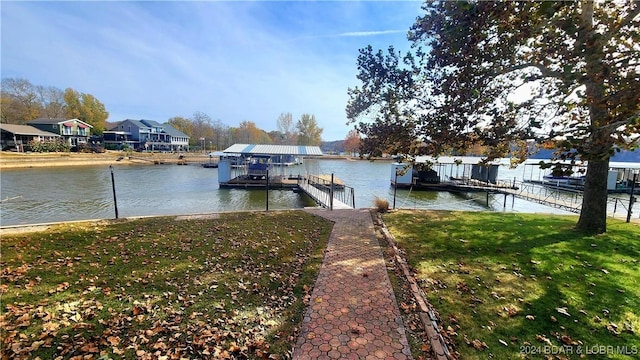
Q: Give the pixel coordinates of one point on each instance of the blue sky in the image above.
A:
(234, 61)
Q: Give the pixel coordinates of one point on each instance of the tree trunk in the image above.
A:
(593, 216)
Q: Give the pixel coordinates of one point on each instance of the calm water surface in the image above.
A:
(39, 195)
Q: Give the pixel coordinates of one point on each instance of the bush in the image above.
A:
(58, 145)
(382, 205)
(89, 148)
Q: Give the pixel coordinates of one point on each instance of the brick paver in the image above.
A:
(353, 313)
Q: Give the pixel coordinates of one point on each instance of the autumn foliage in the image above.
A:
(160, 288)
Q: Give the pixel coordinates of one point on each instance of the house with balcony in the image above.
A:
(146, 135)
(74, 131)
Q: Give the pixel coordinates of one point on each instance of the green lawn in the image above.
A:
(526, 286)
(233, 286)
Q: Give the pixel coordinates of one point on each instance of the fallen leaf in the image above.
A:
(90, 348)
(451, 332)
(567, 340)
(628, 327)
(479, 345)
(613, 328)
(113, 340)
(543, 339)
(511, 310)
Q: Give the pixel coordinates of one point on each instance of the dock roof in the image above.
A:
(258, 149)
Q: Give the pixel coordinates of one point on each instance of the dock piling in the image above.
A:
(113, 186)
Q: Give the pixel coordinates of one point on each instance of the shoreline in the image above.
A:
(12, 160)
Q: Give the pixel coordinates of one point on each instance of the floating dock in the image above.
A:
(275, 182)
(470, 175)
(318, 188)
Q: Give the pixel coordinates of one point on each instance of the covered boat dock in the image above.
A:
(256, 166)
(448, 173)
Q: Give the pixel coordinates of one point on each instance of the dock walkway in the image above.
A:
(321, 197)
(353, 313)
(549, 198)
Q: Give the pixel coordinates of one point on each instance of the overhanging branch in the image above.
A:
(546, 72)
(625, 22)
(614, 125)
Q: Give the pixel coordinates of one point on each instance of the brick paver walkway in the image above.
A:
(353, 313)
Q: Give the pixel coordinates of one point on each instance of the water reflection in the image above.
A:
(77, 193)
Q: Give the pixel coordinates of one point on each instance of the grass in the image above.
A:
(228, 287)
(525, 285)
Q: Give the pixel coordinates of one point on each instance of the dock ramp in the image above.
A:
(328, 195)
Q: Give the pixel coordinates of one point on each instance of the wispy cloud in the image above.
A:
(231, 60)
(370, 33)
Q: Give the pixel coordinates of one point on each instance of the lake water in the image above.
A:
(40, 195)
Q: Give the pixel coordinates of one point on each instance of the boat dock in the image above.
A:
(331, 195)
(248, 182)
(252, 166)
(559, 197)
(318, 188)
(482, 178)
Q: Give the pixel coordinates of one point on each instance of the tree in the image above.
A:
(352, 142)
(497, 73)
(201, 128)
(182, 124)
(23, 101)
(52, 102)
(287, 129)
(249, 133)
(87, 108)
(19, 101)
(222, 136)
(308, 131)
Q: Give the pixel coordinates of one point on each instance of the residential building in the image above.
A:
(146, 135)
(18, 137)
(74, 131)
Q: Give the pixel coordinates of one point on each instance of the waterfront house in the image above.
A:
(17, 137)
(146, 135)
(74, 131)
(178, 141)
